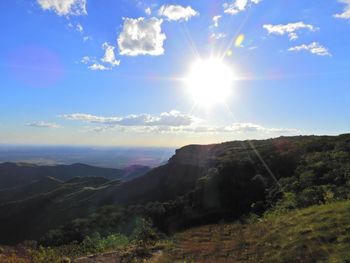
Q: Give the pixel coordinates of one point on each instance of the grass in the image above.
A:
(315, 234)
(64, 253)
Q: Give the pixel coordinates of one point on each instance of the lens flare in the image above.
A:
(239, 40)
(36, 66)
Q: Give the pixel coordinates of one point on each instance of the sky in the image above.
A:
(114, 72)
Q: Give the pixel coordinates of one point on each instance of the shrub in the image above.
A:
(90, 245)
(144, 235)
(288, 202)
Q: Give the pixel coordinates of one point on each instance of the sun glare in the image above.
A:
(209, 81)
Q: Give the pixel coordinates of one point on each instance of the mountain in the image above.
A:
(200, 184)
(34, 216)
(160, 184)
(36, 187)
(133, 171)
(19, 174)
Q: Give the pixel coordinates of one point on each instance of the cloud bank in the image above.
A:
(171, 119)
(42, 124)
(169, 122)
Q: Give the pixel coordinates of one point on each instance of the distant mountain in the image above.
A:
(33, 216)
(19, 174)
(39, 186)
(134, 171)
(108, 157)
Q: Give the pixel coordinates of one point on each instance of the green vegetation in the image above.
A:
(64, 253)
(316, 234)
(144, 236)
(90, 245)
(281, 190)
(319, 233)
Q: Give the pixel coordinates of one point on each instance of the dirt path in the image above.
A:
(114, 257)
(103, 258)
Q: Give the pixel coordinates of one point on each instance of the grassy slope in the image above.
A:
(315, 234)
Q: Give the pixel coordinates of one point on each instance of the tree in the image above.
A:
(144, 235)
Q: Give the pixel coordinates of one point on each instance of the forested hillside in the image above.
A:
(199, 185)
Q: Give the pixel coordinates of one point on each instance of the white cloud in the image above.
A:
(87, 38)
(89, 118)
(64, 7)
(141, 36)
(79, 28)
(217, 36)
(238, 6)
(216, 20)
(236, 128)
(290, 29)
(85, 60)
(97, 66)
(107, 62)
(253, 47)
(177, 12)
(109, 56)
(169, 122)
(172, 118)
(346, 13)
(42, 124)
(148, 11)
(314, 48)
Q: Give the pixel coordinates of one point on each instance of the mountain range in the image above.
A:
(200, 184)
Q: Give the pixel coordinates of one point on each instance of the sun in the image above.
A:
(210, 81)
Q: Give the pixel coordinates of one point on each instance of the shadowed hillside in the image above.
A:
(36, 187)
(315, 234)
(18, 174)
(199, 185)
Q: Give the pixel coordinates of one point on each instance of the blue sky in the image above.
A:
(112, 72)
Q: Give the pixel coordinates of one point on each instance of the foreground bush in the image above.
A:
(90, 245)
